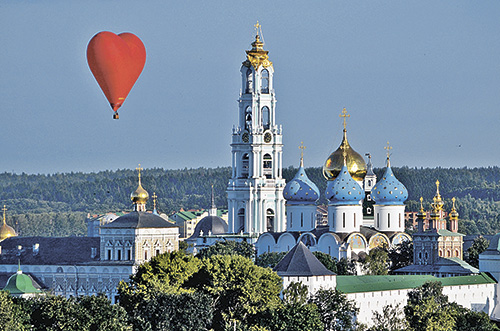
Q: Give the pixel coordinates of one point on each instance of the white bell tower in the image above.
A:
(255, 190)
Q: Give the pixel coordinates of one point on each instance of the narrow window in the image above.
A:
(119, 255)
(301, 219)
(265, 81)
(265, 118)
(129, 254)
(291, 216)
(378, 220)
(354, 219)
(145, 255)
(109, 254)
(157, 252)
(388, 220)
(399, 219)
(249, 87)
(343, 220)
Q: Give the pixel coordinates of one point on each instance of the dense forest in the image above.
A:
(57, 204)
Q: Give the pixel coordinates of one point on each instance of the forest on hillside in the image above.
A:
(57, 204)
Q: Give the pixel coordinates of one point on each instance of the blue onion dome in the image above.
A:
(301, 189)
(344, 190)
(389, 190)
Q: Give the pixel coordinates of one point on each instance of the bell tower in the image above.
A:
(255, 190)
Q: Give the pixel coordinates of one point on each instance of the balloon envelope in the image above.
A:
(116, 61)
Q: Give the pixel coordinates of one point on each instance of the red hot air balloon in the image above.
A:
(116, 62)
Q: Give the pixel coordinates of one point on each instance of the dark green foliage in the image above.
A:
(377, 262)
(269, 260)
(479, 245)
(391, 318)
(401, 255)
(337, 312)
(239, 289)
(173, 312)
(466, 319)
(342, 267)
(228, 247)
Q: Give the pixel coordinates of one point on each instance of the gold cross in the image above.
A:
(257, 26)
(4, 210)
(421, 204)
(344, 115)
(302, 147)
(388, 149)
(154, 196)
(139, 169)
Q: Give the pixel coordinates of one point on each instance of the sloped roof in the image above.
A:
(139, 219)
(212, 224)
(451, 265)
(51, 250)
(356, 284)
(299, 261)
(20, 283)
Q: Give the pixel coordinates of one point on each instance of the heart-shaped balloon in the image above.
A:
(116, 61)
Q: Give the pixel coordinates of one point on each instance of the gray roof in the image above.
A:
(51, 250)
(139, 219)
(452, 265)
(299, 261)
(213, 224)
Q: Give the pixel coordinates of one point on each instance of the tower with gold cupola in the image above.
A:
(255, 190)
(6, 231)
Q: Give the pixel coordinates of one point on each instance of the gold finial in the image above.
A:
(257, 27)
(139, 170)
(344, 153)
(302, 147)
(453, 200)
(388, 149)
(421, 204)
(154, 196)
(344, 115)
(437, 188)
(4, 210)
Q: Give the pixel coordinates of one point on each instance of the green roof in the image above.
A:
(357, 284)
(20, 283)
(444, 232)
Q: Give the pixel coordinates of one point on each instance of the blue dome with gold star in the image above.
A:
(389, 190)
(344, 190)
(301, 189)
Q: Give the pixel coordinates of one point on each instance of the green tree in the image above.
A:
(479, 245)
(377, 262)
(327, 260)
(466, 319)
(401, 255)
(428, 309)
(340, 267)
(228, 247)
(238, 287)
(391, 318)
(98, 314)
(336, 310)
(7, 312)
(269, 260)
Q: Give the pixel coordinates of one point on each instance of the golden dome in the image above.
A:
(140, 195)
(355, 162)
(6, 231)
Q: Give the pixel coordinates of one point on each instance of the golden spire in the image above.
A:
(302, 147)
(453, 212)
(388, 149)
(345, 115)
(257, 56)
(140, 195)
(438, 201)
(154, 196)
(4, 209)
(344, 153)
(139, 171)
(421, 204)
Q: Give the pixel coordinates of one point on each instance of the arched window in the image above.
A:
(291, 215)
(241, 221)
(270, 220)
(248, 118)
(343, 220)
(388, 220)
(265, 81)
(265, 118)
(249, 85)
(301, 219)
(378, 220)
(268, 166)
(245, 162)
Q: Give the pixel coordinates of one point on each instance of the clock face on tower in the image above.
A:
(245, 137)
(268, 137)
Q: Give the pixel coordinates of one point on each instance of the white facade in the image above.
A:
(255, 190)
(389, 218)
(345, 218)
(301, 217)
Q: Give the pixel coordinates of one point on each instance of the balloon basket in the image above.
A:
(116, 116)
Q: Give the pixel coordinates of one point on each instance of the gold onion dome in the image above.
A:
(354, 161)
(453, 213)
(140, 195)
(6, 231)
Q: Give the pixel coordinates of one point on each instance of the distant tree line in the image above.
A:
(38, 197)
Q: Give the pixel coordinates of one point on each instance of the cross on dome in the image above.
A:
(154, 196)
(302, 147)
(4, 209)
(139, 170)
(388, 149)
(344, 115)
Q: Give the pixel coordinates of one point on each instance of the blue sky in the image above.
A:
(423, 75)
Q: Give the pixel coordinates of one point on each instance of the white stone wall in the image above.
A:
(314, 283)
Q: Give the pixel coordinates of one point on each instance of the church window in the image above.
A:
(354, 219)
(426, 255)
(270, 220)
(268, 161)
(378, 220)
(249, 82)
(157, 252)
(129, 254)
(265, 118)
(301, 219)
(145, 255)
(369, 197)
(399, 219)
(388, 220)
(119, 255)
(343, 220)
(241, 221)
(245, 163)
(265, 81)
(448, 253)
(368, 210)
(248, 118)
(440, 253)
(110, 254)
(291, 215)
(420, 255)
